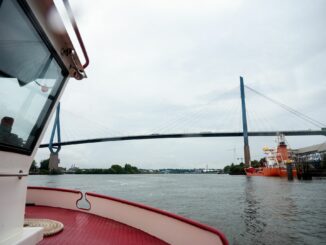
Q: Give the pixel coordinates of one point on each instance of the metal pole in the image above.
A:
(244, 124)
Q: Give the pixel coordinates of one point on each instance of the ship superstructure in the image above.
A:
(277, 161)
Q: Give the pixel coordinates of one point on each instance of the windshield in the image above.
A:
(30, 79)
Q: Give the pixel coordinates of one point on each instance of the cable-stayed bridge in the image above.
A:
(319, 128)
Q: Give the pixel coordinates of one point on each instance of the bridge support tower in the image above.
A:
(54, 150)
(244, 124)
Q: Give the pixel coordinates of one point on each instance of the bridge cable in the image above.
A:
(186, 117)
(289, 109)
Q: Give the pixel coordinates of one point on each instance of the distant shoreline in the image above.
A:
(140, 172)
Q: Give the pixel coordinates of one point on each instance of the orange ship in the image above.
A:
(277, 162)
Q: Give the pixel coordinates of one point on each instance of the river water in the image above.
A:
(249, 210)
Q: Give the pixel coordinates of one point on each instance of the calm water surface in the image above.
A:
(254, 210)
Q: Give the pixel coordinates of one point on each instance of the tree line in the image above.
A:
(114, 169)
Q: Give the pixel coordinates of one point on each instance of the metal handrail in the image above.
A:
(74, 25)
(19, 175)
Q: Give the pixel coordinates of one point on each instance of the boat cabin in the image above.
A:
(37, 57)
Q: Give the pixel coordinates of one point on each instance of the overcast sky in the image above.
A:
(161, 66)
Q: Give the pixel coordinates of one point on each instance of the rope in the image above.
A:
(50, 227)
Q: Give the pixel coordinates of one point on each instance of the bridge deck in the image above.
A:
(190, 135)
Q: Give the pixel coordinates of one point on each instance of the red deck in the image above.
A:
(83, 228)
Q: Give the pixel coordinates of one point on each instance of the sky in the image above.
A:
(173, 66)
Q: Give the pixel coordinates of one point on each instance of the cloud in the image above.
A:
(175, 66)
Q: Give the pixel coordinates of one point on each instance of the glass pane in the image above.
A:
(29, 78)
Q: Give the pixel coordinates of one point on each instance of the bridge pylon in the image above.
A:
(244, 124)
(55, 149)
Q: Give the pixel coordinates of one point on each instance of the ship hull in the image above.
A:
(109, 220)
(269, 172)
